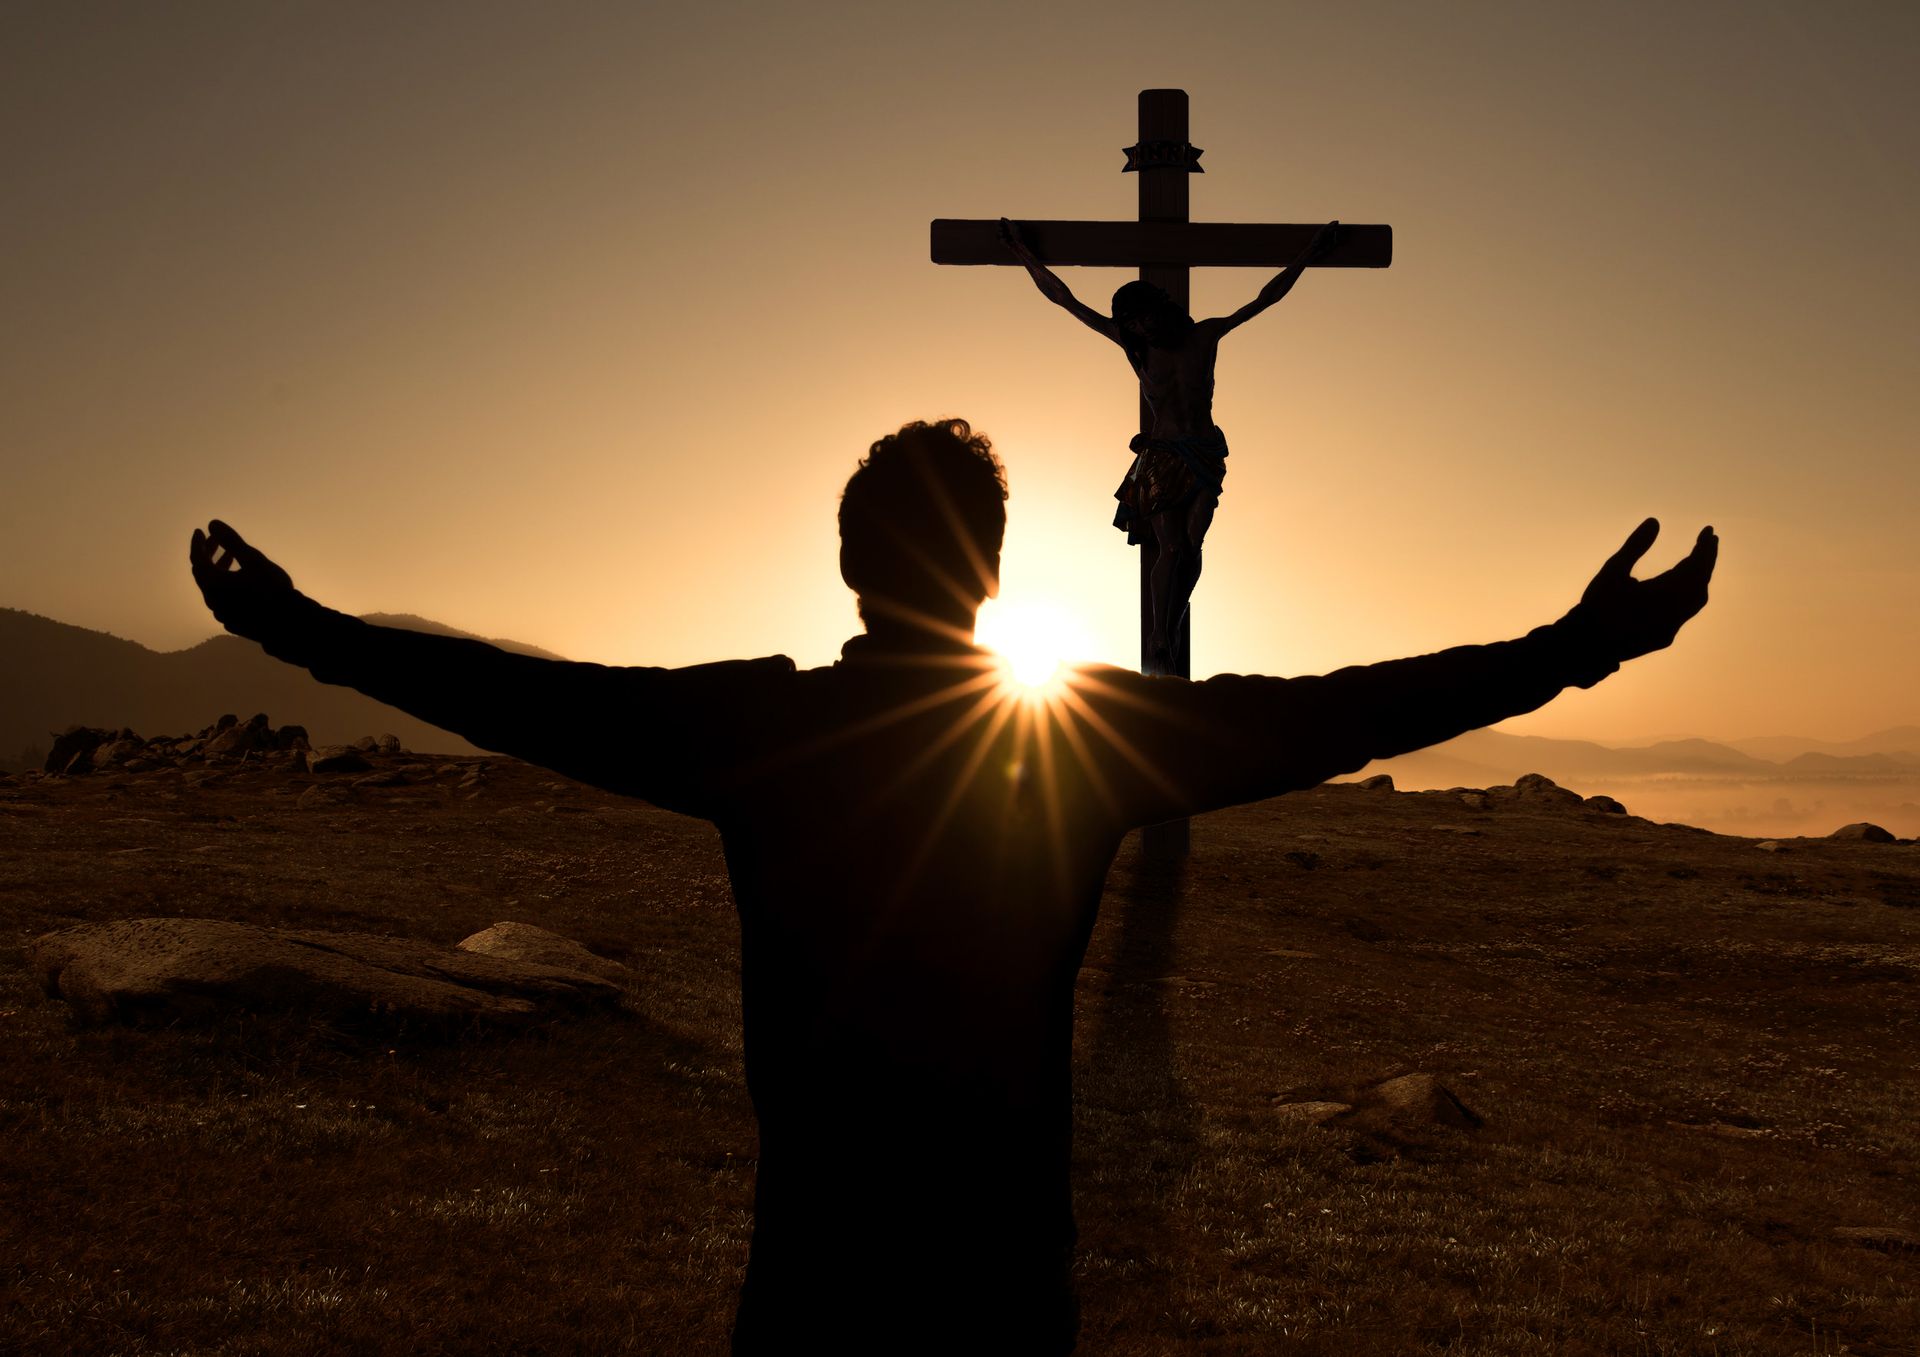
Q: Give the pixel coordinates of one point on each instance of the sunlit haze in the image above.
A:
(567, 323)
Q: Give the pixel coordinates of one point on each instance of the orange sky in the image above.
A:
(567, 323)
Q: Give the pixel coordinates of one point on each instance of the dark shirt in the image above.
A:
(917, 855)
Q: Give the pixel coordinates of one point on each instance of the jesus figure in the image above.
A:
(1180, 462)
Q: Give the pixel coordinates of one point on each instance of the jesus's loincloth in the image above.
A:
(1168, 473)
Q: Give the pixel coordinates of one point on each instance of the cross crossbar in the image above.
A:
(1144, 244)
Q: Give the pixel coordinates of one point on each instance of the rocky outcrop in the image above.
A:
(166, 970)
(80, 750)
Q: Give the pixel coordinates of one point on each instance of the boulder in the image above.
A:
(1606, 805)
(73, 748)
(337, 758)
(115, 751)
(1415, 1099)
(240, 738)
(165, 970)
(1379, 782)
(390, 744)
(1536, 789)
(524, 942)
(291, 737)
(1863, 832)
(366, 744)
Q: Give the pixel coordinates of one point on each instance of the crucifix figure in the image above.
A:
(1180, 457)
(1177, 435)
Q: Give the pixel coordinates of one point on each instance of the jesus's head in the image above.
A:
(1145, 312)
(921, 523)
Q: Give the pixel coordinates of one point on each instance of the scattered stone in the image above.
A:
(226, 722)
(323, 794)
(337, 758)
(1473, 800)
(366, 744)
(392, 777)
(1876, 1237)
(1606, 805)
(1379, 782)
(390, 744)
(1725, 1130)
(291, 737)
(1862, 832)
(165, 970)
(1772, 846)
(1312, 1113)
(524, 942)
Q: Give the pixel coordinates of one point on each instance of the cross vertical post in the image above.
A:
(1163, 198)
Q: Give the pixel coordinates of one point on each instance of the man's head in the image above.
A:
(921, 524)
(1147, 312)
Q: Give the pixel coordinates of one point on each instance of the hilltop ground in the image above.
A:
(1696, 1061)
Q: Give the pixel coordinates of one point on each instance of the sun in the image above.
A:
(1035, 639)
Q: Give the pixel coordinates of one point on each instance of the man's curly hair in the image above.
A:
(922, 520)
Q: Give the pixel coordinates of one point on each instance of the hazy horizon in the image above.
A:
(566, 324)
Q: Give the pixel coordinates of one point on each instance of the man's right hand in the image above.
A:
(247, 592)
(1624, 617)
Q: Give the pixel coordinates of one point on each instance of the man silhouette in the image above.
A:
(917, 850)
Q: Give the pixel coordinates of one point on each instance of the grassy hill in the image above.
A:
(1694, 1060)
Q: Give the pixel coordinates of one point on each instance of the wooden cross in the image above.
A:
(1163, 245)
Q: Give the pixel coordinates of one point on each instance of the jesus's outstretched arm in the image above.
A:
(1281, 284)
(1052, 288)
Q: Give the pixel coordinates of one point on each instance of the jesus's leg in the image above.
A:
(1170, 567)
(1199, 519)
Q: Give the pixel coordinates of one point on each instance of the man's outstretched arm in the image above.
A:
(1238, 738)
(573, 718)
(1281, 284)
(1052, 288)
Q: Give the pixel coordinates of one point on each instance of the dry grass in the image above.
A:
(1695, 1060)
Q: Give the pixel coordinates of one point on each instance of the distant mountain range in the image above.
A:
(1485, 758)
(53, 675)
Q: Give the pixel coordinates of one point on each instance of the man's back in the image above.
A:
(917, 861)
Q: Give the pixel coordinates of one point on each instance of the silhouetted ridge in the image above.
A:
(57, 675)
